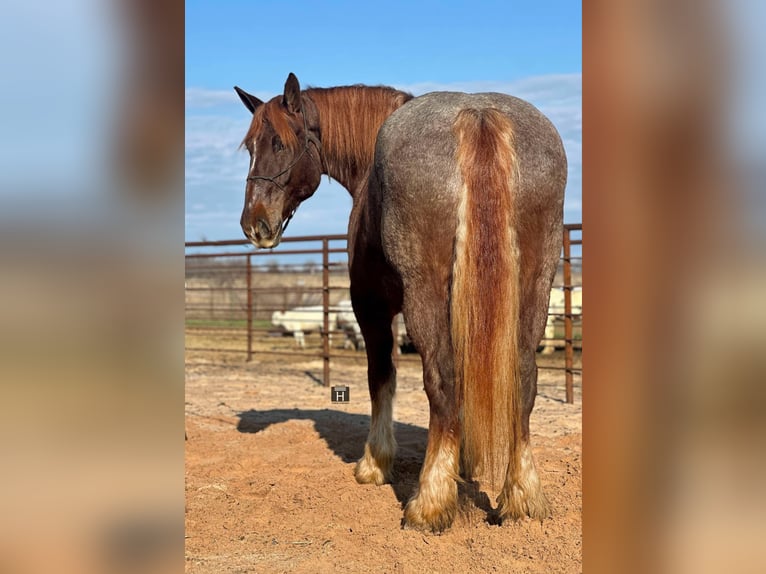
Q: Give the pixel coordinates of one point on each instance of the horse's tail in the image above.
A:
(485, 294)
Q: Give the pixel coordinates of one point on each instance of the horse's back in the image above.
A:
(419, 137)
(417, 181)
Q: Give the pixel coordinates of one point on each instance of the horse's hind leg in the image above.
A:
(374, 314)
(434, 504)
(522, 493)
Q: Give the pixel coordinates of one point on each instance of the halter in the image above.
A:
(308, 139)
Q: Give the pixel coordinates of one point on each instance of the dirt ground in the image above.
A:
(270, 484)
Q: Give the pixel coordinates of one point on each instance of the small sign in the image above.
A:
(339, 394)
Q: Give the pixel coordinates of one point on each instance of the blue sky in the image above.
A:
(529, 49)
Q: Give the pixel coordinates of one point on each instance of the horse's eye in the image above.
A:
(276, 144)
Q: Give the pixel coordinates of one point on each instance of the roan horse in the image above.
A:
(457, 222)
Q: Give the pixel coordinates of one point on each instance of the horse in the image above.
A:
(456, 221)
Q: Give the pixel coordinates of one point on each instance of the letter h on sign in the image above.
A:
(339, 394)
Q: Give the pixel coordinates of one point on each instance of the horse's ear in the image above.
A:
(250, 101)
(292, 97)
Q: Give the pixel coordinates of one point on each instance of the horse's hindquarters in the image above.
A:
(511, 234)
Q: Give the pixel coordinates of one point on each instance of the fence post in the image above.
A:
(248, 270)
(568, 331)
(326, 309)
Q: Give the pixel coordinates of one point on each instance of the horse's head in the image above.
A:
(285, 163)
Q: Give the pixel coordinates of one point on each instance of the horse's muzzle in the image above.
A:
(258, 229)
(262, 235)
(262, 229)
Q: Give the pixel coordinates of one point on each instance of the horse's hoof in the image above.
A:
(366, 473)
(434, 521)
(374, 470)
(437, 527)
(520, 505)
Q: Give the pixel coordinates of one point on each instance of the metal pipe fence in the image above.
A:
(232, 296)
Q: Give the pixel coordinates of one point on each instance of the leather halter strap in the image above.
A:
(309, 138)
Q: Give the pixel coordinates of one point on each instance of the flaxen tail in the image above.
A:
(485, 294)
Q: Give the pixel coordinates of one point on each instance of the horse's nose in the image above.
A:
(262, 228)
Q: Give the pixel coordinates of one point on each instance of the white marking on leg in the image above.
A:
(524, 496)
(434, 505)
(379, 451)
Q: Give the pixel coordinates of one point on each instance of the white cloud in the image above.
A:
(552, 86)
(212, 150)
(197, 98)
(201, 98)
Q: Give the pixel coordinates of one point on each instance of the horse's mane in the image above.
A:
(349, 120)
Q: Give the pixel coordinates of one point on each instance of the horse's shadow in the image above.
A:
(345, 434)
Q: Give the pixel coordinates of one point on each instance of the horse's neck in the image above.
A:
(349, 119)
(349, 176)
(351, 171)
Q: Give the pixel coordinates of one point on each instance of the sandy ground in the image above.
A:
(270, 484)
